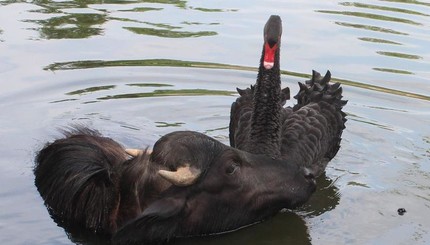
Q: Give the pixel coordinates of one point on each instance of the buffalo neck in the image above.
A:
(265, 126)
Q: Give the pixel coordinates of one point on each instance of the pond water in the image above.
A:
(136, 70)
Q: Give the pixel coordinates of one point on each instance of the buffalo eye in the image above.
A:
(231, 169)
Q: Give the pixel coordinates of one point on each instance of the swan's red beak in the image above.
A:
(269, 55)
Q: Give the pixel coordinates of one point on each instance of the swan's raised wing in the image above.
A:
(311, 134)
(240, 118)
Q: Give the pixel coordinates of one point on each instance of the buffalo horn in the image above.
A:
(136, 152)
(183, 176)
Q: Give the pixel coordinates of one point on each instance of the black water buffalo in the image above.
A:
(190, 185)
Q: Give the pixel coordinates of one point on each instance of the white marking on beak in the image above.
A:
(268, 65)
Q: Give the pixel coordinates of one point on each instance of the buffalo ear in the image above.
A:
(157, 223)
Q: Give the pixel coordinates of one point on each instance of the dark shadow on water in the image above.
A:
(285, 228)
(326, 198)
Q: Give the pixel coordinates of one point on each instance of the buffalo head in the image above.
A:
(213, 188)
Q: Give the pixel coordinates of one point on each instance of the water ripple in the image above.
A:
(408, 2)
(168, 33)
(371, 28)
(169, 92)
(73, 65)
(383, 8)
(370, 16)
(400, 55)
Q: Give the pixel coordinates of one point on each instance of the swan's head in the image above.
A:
(272, 40)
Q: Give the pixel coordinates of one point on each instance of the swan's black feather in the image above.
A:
(241, 116)
(310, 131)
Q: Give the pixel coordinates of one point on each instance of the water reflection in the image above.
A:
(167, 124)
(325, 198)
(370, 28)
(84, 25)
(273, 231)
(393, 71)
(379, 15)
(63, 100)
(378, 40)
(154, 93)
(370, 16)
(177, 3)
(87, 64)
(360, 119)
(140, 9)
(408, 2)
(71, 26)
(168, 32)
(169, 92)
(400, 55)
(285, 228)
(384, 8)
(214, 10)
(426, 139)
(149, 85)
(90, 90)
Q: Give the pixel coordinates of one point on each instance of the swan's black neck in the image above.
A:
(265, 134)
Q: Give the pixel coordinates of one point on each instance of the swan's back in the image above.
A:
(310, 131)
(311, 134)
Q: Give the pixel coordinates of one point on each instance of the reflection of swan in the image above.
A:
(308, 134)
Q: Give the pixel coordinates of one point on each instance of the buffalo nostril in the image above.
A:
(308, 174)
(310, 177)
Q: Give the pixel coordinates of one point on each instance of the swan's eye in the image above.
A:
(231, 169)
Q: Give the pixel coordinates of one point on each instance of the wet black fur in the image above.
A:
(72, 174)
(90, 186)
(87, 181)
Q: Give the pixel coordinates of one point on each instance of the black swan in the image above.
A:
(308, 133)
